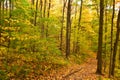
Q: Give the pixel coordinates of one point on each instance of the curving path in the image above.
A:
(85, 71)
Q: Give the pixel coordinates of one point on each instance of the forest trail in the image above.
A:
(84, 71)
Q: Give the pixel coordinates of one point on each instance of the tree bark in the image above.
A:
(32, 4)
(75, 26)
(78, 31)
(0, 23)
(3, 12)
(0, 11)
(61, 32)
(36, 13)
(80, 14)
(119, 52)
(100, 38)
(112, 25)
(41, 6)
(43, 24)
(44, 12)
(105, 47)
(68, 29)
(116, 44)
(48, 15)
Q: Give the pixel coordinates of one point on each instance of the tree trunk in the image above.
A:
(105, 47)
(116, 44)
(6, 6)
(48, 15)
(0, 12)
(112, 25)
(78, 31)
(32, 4)
(3, 13)
(44, 12)
(75, 26)
(80, 14)
(36, 13)
(0, 23)
(10, 15)
(11, 8)
(43, 24)
(119, 52)
(41, 6)
(100, 38)
(61, 32)
(68, 29)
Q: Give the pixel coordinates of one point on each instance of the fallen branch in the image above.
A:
(72, 73)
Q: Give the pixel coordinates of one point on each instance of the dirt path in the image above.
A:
(85, 71)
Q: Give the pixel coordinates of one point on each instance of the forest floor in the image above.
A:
(84, 71)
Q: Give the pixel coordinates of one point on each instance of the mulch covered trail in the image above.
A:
(85, 71)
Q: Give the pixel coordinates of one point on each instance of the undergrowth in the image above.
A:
(29, 65)
(23, 66)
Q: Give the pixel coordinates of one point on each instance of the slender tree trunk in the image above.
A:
(48, 15)
(44, 12)
(75, 26)
(80, 14)
(0, 22)
(44, 15)
(6, 6)
(10, 16)
(76, 6)
(105, 50)
(0, 12)
(119, 51)
(61, 32)
(36, 13)
(41, 6)
(32, 4)
(10, 11)
(112, 25)
(100, 38)
(41, 16)
(68, 29)
(78, 31)
(3, 13)
(116, 44)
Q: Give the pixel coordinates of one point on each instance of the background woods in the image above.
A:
(36, 36)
